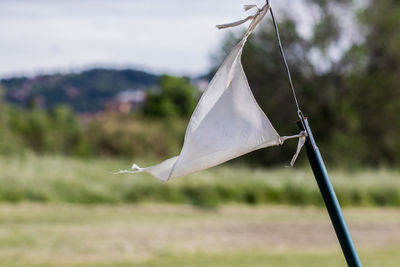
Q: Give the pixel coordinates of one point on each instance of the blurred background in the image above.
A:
(88, 87)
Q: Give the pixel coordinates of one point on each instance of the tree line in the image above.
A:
(350, 93)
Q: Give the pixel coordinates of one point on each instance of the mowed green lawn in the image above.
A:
(181, 235)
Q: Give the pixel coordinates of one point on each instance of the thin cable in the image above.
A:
(284, 60)
(299, 112)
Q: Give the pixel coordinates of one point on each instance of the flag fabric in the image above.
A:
(227, 121)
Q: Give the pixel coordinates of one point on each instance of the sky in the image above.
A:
(161, 36)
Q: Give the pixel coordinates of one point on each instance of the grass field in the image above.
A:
(181, 235)
(59, 211)
(49, 179)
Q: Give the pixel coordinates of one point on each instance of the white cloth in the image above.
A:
(226, 123)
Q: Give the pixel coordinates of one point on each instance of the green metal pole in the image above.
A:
(321, 175)
(329, 196)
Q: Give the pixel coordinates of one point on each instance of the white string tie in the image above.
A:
(134, 169)
(255, 18)
(300, 144)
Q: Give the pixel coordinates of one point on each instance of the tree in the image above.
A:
(175, 97)
(352, 98)
(378, 82)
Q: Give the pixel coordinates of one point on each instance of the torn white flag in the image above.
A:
(226, 123)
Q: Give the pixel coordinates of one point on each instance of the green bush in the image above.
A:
(175, 97)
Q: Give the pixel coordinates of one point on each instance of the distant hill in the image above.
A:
(84, 92)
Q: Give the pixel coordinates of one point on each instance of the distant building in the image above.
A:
(126, 101)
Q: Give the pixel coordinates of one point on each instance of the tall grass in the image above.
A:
(63, 179)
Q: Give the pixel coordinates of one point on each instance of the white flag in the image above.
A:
(226, 123)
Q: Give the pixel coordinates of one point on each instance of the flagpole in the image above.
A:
(321, 176)
(329, 196)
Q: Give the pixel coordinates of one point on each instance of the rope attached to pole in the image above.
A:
(299, 112)
(284, 59)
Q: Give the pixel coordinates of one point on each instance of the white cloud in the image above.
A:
(175, 36)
